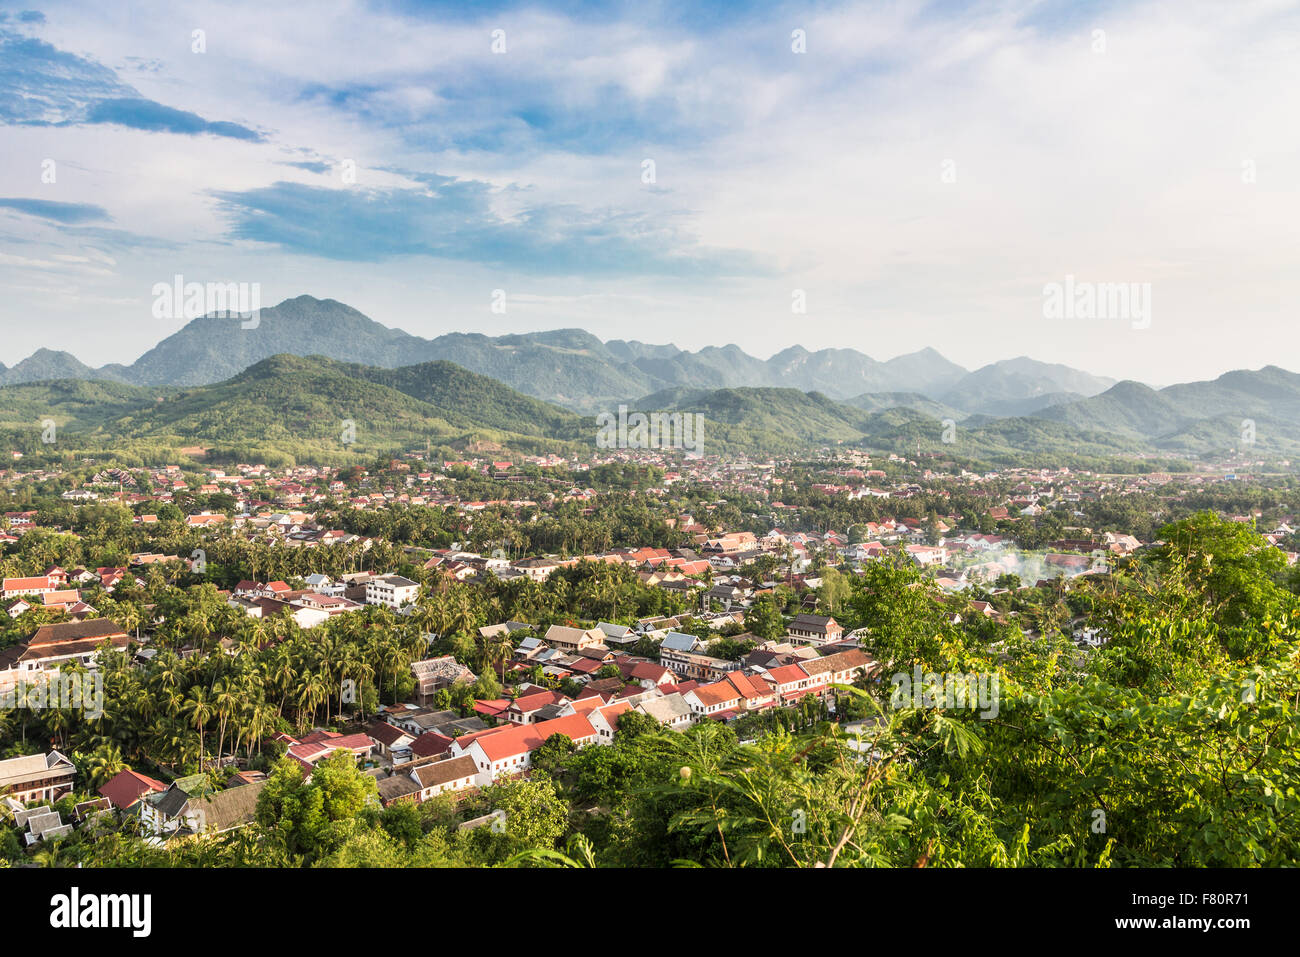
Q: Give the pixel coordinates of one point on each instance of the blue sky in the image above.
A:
(919, 173)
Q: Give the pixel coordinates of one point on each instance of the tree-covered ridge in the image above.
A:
(287, 409)
(291, 406)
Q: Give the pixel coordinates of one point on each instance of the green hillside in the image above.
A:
(291, 408)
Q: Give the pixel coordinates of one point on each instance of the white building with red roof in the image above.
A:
(508, 751)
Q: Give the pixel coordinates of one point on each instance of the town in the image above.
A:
(450, 628)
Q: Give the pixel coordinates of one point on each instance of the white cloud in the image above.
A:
(1119, 166)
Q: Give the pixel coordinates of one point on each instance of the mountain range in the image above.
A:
(569, 367)
(210, 384)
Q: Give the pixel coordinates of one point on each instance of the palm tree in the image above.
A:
(226, 701)
(499, 649)
(102, 765)
(200, 710)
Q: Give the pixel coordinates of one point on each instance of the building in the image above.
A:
(320, 744)
(816, 629)
(394, 591)
(693, 666)
(442, 777)
(434, 674)
(842, 668)
(127, 788)
(13, 587)
(508, 751)
(538, 569)
(36, 777)
(792, 683)
(52, 645)
(573, 640)
(671, 710)
(179, 812)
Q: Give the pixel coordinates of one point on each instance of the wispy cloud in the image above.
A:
(456, 221)
(41, 85)
(66, 213)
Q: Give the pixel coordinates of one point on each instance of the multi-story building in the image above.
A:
(393, 591)
(36, 777)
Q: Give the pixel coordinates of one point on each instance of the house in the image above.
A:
(177, 811)
(679, 641)
(791, 683)
(504, 628)
(726, 595)
(927, 554)
(734, 693)
(696, 666)
(87, 812)
(36, 777)
(14, 587)
(320, 744)
(843, 668)
(816, 629)
(754, 690)
(647, 674)
(42, 823)
(441, 777)
(573, 640)
(240, 778)
(671, 710)
(127, 788)
(396, 788)
(393, 591)
(430, 744)
(617, 634)
(331, 605)
(605, 719)
(418, 721)
(525, 708)
(530, 648)
(52, 645)
(388, 738)
(20, 606)
(717, 699)
(507, 751)
(538, 569)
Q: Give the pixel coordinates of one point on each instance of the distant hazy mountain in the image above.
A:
(881, 401)
(567, 366)
(997, 388)
(1029, 405)
(783, 420)
(288, 408)
(49, 364)
(925, 371)
(209, 350)
(1197, 417)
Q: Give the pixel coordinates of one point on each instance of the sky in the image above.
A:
(883, 176)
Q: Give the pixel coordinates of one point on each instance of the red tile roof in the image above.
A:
(127, 787)
(787, 674)
(518, 740)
